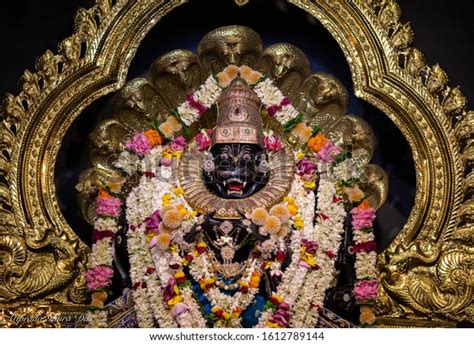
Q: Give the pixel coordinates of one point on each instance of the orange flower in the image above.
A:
(174, 123)
(231, 71)
(154, 137)
(293, 209)
(166, 130)
(223, 79)
(104, 194)
(317, 142)
(367, 316)
(302, 131)
(364, 205)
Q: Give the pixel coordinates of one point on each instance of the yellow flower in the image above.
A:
(298, 223)
(307, 257)
(164, 240)
(259, 216)
(300, 155)
(166, 199)
(215, 309)
(272, 224)
(182, 210)
(226, 315)
(173, 219)
(177, 154)
(273, 325)
(289, 200)
(283, 231)
(293, 209)
(179, 274)
(175, 300)
(178, 191)
(281, 212)
(150, 235)
(192, 214)
(277, 298)
(310, 184)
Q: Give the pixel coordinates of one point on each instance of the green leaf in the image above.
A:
(292, 122)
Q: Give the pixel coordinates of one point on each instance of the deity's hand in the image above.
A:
(206, 220)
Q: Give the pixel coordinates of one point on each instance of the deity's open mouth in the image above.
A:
(234, 186)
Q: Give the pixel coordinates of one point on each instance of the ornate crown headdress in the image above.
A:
(238, 118)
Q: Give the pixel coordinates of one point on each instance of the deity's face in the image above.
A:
(240, 170)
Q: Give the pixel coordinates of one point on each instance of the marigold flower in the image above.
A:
(367, 316)
(174, 124)
(317, 142)
(232, 71)
(254, 77)
(166, 130)
(259, 216)
(173, 219)
(223, 79)
(272, 224)
(245, 71)
(354, 194)
(154, 137)
(364, 205)
(163, 240)
(302, 132)
(104, 194)
(281, 212)
(293, 209)
(182, 209)
(283, 232)
(165, 209)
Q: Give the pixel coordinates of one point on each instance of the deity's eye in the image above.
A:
(224, 156)
(247, 157)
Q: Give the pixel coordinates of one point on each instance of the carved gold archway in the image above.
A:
(426, 273)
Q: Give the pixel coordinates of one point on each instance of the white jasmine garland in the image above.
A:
(328, 232)
(365, 265)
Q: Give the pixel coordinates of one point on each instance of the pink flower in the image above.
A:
(311, 246)
(362, 218)
(168, 291)
(203, 139)
(179, 309)
(166, 161)
(178, 143)
(139, 144)
(368, 246)
(366, 290)
(305, 167)
(196, 105)
(152, 222)
(272, 143)
(108, 206)
(329, 152)
(99, 277)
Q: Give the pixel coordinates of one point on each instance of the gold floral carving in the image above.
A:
(426, 274)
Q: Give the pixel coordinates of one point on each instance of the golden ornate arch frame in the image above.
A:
(426, 274)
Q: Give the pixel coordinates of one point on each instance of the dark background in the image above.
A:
(443, 30)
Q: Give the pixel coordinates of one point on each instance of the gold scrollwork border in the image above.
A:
(425, 274)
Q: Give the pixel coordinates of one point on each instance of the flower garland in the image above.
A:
(366, 286)
(158, 217)
(100, 270)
